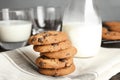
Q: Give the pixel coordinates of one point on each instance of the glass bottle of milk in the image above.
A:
(84, 27)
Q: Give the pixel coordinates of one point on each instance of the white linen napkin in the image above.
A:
(106, 62)
(102, 67)
(103, 63)
(19, 68)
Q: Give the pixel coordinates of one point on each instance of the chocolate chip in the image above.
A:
(62, 60)
(54, 44)
(42, 64)
(107, 33)
(46, 35)
(44, 57)
(56, 74)
(40, 40)
(34, 39)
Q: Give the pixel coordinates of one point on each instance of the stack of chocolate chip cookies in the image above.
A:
(56, 53)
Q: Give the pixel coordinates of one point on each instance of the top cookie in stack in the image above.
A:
(49, 37)
(56, 53)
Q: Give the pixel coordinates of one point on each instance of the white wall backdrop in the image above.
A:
(109, 9)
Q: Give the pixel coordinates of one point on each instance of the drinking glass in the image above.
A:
(15, 28)
(46, 18)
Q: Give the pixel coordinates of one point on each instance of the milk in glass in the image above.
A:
(14, 32)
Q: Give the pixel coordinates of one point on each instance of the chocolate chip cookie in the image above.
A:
(57, 72)
(66, 53)
(113, 25)
(49, 37)
(52, 47)
(111, 35)
(43, 62)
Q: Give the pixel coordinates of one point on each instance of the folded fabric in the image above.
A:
(109, 73)
(106, 62)
(19, 64)
(19, 68)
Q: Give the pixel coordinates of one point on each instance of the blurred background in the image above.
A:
(109, 9)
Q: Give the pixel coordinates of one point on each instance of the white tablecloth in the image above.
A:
(19, 65)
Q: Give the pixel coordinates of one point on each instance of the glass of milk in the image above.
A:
(15, 28)
(84, 27)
